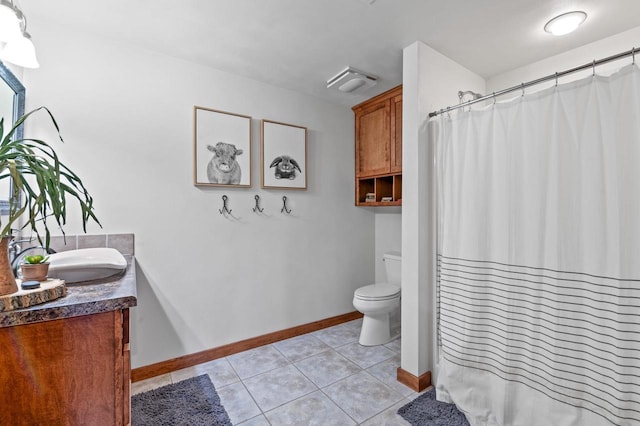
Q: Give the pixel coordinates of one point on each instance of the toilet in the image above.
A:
(378, 302)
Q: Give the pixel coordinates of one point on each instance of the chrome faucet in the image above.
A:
(15, 247)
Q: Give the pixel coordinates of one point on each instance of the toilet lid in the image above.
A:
(381, 291)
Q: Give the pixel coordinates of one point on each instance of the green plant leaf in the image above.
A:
(35, 259)
(41, 184)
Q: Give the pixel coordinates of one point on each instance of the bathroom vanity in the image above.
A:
(67, 362)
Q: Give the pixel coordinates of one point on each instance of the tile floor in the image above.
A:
(321, 378)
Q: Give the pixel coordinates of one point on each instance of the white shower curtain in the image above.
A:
(539, 256)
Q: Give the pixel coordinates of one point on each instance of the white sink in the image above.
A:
(86, 264)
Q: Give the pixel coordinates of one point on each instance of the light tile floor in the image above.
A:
(321, 378)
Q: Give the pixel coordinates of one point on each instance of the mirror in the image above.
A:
(12, 95)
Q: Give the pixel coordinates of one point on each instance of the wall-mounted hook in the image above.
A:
(284, 208)
(224, 208)
(257, 208)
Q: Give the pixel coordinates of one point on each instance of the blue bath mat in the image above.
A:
(426, 411)
(190, 402)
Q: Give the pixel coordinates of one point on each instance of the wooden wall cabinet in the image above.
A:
(72, 371)
(379, 148)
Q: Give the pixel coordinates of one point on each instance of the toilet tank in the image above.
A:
(392, 267)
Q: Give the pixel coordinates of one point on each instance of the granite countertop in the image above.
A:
(106, 295)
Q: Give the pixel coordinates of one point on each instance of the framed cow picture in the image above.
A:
(222, 148)
(283, 155)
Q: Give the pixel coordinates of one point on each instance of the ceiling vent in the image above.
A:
(350, 80)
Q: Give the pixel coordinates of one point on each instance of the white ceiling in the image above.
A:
(300, 44)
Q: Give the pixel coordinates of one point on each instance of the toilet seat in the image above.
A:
(377, 292)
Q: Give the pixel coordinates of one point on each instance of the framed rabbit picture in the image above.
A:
(283, 155)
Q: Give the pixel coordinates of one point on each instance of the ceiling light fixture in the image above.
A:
(18, 47)
(350, 79)
(565, 23)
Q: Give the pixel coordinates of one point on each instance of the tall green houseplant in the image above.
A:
(40, 187)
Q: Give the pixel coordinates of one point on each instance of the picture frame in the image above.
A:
(222, 148)
(283, 155)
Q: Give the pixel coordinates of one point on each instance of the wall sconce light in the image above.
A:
(15, 42)
(565, 23)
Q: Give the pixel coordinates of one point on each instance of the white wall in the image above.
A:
(203, 280)
(430, 81)
(570, 59)
(388, 236)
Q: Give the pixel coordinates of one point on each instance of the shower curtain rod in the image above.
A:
(555, 76)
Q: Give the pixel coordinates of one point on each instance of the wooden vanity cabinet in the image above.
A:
(72, 371)
(378, 136)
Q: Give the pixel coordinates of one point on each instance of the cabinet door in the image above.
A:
(373, 133)
(63, 372)
(396, 134)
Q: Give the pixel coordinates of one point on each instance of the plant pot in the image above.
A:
(34, 272)
(7, 279)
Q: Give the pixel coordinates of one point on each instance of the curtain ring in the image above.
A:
(594, 68)
(494, 98)
(633, 55)
(556, 79)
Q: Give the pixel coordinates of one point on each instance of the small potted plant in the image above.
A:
(35, 268)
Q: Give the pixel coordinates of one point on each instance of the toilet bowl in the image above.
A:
(377, 302)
